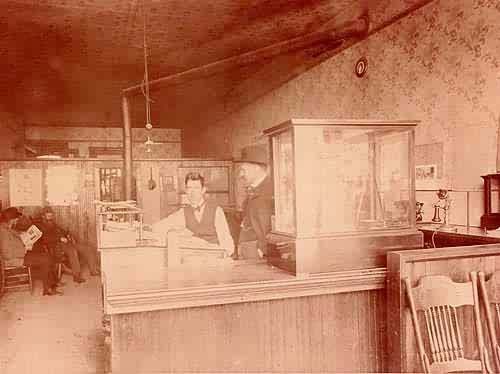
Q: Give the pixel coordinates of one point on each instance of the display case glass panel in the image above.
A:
(341, 179)
(284, 182)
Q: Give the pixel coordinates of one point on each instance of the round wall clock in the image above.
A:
(361, 66)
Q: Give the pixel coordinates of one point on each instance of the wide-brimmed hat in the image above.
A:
(254, 154)
(11, 213)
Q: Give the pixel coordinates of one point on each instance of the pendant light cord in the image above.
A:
(146, 77)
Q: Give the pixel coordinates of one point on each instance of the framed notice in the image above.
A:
(25, 187)
(62, 185)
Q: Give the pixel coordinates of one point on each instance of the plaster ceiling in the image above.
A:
(66, 62)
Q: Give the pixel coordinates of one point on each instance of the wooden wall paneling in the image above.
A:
(87, 195)
(329, 333)
(169, 200)
(380, 300)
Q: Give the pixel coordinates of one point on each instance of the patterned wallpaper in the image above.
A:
(440, 65)
(11, 137)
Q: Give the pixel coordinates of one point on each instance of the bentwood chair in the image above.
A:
(438, 306)
(490, 294)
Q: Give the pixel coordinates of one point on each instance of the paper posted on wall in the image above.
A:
(30, 236)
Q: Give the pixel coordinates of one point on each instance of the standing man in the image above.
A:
(258, 206)
(55, 238)
(201, 218)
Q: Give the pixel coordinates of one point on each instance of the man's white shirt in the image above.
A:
(177, 221)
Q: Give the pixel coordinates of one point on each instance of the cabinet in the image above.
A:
(491, 218)
(344, 193)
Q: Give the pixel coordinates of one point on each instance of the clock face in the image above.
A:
(361, 66)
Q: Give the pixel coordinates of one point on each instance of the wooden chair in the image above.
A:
(15, 278)
(490, 294)
(438, 299)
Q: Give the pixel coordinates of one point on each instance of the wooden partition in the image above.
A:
(457, 263)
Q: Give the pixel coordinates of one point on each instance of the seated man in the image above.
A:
(201, 223)
(14, 252)
(54, 238)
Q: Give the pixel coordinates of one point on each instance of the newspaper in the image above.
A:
(30, 236)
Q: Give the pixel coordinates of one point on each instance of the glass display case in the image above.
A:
(119, 224)
(346, 183)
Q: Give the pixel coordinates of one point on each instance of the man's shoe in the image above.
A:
(78, 280)
(52, 291)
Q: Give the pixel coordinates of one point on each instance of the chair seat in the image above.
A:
(14, 263)
(16, 278)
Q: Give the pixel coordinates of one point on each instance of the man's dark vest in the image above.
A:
(204, 229)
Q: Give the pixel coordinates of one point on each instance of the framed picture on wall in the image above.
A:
(426, 177)
(426, 172)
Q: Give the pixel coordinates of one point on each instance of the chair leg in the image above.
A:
(59, 271)
(30, 280)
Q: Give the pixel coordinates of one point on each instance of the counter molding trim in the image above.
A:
(140, 300)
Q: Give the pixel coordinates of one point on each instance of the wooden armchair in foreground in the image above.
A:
(490, 293)
(440, 301)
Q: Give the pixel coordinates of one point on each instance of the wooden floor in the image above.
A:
(52, 334)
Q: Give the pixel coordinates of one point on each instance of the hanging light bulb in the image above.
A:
(149, 126)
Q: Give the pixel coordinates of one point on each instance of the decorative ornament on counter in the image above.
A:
(360, 67)
(419, 212)
(444, 204)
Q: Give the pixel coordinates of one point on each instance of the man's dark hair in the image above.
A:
(192, 176)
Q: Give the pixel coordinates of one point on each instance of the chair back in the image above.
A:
(490, 294)
(434, 305)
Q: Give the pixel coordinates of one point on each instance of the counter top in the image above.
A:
(128, 289)
(460, 230)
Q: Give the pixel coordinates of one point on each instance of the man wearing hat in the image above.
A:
(14, 252)
(12, 248)
(258, 206)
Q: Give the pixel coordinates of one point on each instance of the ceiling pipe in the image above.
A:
(127, 149)
(359, 28)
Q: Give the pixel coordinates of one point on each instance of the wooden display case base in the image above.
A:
(302, 256)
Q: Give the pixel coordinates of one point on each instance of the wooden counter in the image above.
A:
(244, 316)
(455, 236)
